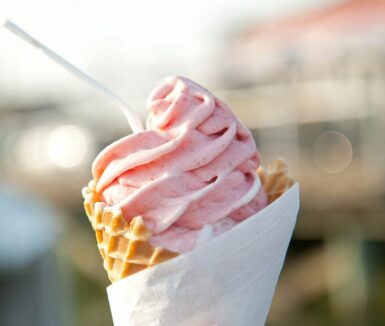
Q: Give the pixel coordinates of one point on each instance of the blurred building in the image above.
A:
(312, 86)
(346, 39)
(319, 72)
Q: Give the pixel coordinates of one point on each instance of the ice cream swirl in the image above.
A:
(191, 174)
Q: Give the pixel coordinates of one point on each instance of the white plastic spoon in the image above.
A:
(133, 119)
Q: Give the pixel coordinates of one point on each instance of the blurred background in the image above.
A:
(308, 78)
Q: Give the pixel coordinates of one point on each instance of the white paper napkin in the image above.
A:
(228, 281)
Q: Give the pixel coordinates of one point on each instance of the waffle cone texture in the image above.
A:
(124, 246)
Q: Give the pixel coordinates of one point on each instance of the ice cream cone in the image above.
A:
(125, 247)
(228, 281)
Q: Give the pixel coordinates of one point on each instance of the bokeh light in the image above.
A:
(332, 151)
(67, 146)
(30, 148)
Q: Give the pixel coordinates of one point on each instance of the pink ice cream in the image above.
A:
(191, 174)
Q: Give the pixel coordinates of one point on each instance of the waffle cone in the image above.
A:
(124, 246)
(274, 179)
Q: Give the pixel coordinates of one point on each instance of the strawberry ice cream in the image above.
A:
(191, 175)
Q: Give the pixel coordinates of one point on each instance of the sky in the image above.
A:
(122, 43)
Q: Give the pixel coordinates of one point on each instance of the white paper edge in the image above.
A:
(122, 298)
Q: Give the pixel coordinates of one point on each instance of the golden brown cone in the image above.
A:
(274, 179)
(125, 247)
